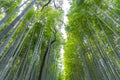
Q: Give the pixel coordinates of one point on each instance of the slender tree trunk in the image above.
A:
(44, 57)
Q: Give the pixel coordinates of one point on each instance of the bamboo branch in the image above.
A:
(46, 5)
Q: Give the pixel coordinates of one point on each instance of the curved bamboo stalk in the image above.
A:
(45, 55)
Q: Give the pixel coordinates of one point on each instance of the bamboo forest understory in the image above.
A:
(33, 47)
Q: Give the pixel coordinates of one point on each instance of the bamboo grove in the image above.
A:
(30, 40)
(92, 51)
(28, 43)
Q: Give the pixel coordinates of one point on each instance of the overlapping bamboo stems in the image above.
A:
(12, 24)
(13, 12)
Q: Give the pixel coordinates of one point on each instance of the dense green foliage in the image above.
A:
(30, 40)
(92, 51)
